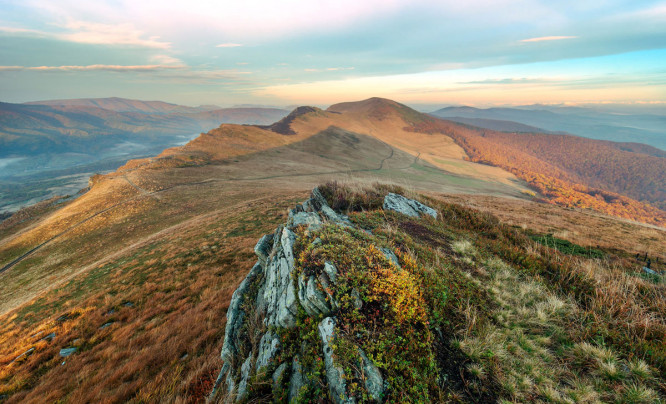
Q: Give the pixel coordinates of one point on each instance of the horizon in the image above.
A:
(481, 54)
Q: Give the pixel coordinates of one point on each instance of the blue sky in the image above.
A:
(319, 52)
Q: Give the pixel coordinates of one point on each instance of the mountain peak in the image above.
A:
(283, 126)
(370, 104)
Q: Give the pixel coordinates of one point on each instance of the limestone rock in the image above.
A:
(356, 299)
(309, 219)
(268, 347)
(245, 375)
(374, 382)
(235, 315)
(277, 375)
(406, 206)
(334, 373)
(297, 380)
(331, 271)
(65, 352)
(279, 292)
(264, 247)
(390, 255)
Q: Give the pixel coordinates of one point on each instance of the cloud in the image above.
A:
(228, 45)
(109, 34)
(548, 38)
(523, 80)
(328, 69)
(95, 33)
(111, 68)
(166, 60)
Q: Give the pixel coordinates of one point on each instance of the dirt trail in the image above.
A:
(154, 194)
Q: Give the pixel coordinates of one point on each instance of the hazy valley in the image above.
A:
(50, 148)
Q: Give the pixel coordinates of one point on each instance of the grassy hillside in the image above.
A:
(568, 170)
(506, 316)
(138, 272)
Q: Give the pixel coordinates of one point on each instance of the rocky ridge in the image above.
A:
(272, 297)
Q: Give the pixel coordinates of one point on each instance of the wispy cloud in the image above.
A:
(328, 69)
(229, 45)
(96, 34)
(110, 34)
(548, 38)
(112, 68)
(522, 80)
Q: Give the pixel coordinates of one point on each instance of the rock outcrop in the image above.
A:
(275, 295)
(406, 206)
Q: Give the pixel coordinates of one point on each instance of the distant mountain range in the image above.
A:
(641, 128)
(126, 105)
(101, 127)
(57, 139)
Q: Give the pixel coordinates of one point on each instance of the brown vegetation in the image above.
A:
(567, 170)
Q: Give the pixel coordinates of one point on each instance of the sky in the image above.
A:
(288, 52)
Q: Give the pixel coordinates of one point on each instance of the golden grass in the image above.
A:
(163, 345)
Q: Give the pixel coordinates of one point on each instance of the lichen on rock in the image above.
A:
(297, 347)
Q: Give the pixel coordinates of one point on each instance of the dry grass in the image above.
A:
(527, 349)
(165, 344)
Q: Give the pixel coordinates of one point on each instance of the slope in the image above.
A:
(569, 170)
(138, 272)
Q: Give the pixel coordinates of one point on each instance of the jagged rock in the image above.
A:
(406, 206)
(317, 203)
(311, 297)
(331, 271)
(279, 293)
(328, 289)
(277, 375)
(374, 382)
(334, 373)
(297, 381)
(356, 299)
(268, 347)
(390, 255)
(245, 375)
(65, 352)
(309, 219)
(235, 315)
(263, 248)
(275, 292)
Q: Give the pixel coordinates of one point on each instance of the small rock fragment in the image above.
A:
(65, 352)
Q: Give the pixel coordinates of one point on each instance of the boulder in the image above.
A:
(406, 206)
(309, 219)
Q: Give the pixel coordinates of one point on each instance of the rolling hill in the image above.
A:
(137, 274)
(586, 122)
